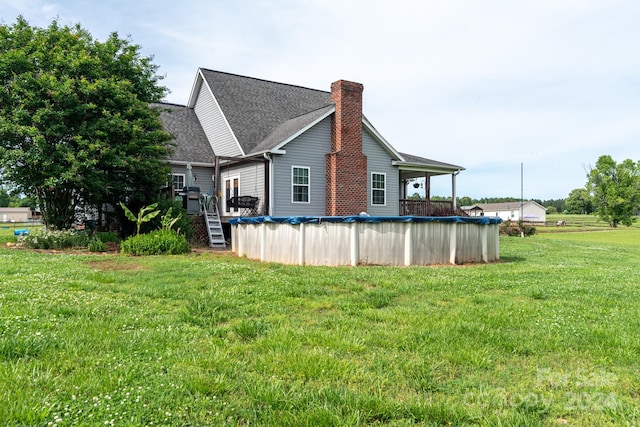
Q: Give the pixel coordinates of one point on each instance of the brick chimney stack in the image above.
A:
(346, 164)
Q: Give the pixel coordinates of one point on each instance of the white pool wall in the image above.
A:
(367, 243)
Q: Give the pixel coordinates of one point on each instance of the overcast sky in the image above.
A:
(485, 84)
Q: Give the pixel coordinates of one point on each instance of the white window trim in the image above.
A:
(384, 190)
(293, 167)
(184, 180)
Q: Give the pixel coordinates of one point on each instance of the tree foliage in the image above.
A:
(76, 126)
(579, 201)
(10, 199)
(558, 204)
(616, 190)
(5, 198)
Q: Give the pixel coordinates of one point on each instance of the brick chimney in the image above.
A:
(346, 164)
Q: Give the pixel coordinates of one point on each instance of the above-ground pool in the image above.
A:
(367, 240)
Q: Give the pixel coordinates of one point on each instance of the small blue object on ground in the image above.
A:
(22, 232)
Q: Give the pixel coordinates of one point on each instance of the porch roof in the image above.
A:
(415, 166)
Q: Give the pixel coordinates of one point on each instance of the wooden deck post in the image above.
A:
(216, 183)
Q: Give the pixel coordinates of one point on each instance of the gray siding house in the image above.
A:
(298, 151)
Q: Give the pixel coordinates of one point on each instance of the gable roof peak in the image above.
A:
(254, 108)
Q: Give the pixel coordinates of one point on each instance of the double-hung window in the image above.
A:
(178, 181)
(299, 184)
(378, 189)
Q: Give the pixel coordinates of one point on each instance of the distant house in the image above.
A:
(293, 150)
(473, 210)
(15, 214)
(531, 211)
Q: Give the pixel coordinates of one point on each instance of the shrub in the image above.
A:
(157, 242)
(108, 236)
(517, 229)
(97, 245)
(55, 239)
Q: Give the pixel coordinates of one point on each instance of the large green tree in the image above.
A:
(579, 201)
(616, 190)
(76, 127)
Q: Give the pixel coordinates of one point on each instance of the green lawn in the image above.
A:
(548, 336)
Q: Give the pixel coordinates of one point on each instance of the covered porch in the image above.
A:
(419, 171)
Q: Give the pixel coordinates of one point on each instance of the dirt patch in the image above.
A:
(114, 265)
(207, 250)
(112, 248)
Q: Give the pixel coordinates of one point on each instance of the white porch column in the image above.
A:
(453, 190)
(427, 192)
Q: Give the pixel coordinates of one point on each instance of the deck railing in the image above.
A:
(427, 208)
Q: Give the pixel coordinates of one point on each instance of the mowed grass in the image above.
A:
(548, 336)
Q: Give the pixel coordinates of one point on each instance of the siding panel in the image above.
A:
(202, 176)
(307, 150)
(214, 124)
(379, 161)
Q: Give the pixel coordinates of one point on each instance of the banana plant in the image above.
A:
(168, 222)
(145, 214)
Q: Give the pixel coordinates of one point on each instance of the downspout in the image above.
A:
(268, 162)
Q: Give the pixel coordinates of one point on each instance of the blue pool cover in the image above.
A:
(480, 220)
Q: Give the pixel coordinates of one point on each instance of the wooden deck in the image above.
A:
(428, 208)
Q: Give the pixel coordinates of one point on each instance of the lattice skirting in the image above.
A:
(200, 236)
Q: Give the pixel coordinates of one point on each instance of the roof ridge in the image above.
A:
(169, 103)
(331, 104)
(263, 80)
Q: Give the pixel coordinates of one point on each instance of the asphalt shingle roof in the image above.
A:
(256, 108)
(410, 158)
(261, 113)
(191, 144)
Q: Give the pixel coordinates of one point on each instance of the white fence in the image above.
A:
(358, 243)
